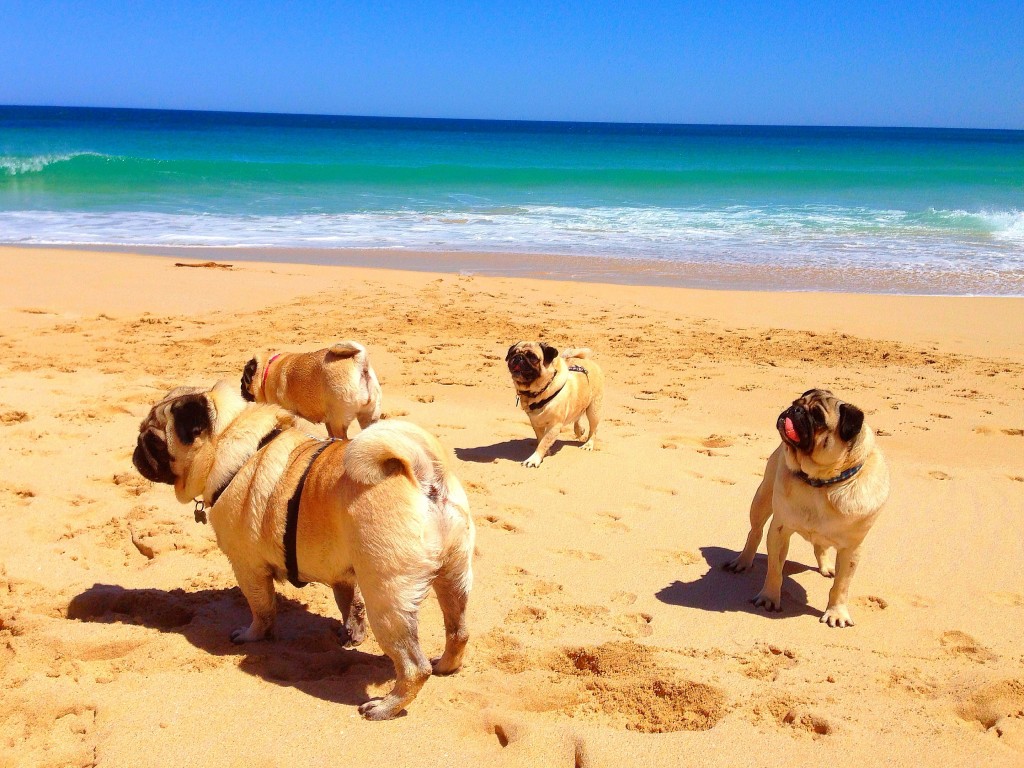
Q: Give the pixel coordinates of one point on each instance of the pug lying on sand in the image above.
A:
(555, 391)
(382, 515)
(827, 481)
(333, 386)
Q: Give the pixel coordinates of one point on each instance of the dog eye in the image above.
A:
(818, 417)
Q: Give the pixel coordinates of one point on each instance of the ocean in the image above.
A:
(908, 210)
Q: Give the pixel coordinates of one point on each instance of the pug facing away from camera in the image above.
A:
(381, 519)
(333, 386)
(556, 390)
(827, 481)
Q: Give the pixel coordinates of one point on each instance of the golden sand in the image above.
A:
(603, 630)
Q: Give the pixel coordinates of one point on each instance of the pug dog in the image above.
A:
(827, 481)
(555, 391)
(381, 515)
(334, 386)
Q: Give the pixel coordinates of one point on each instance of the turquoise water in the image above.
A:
(911, 200)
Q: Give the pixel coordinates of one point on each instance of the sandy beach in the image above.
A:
(603, 630)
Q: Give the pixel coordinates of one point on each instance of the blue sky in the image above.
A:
(904, 63)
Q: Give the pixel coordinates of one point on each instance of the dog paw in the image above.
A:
(739, 565)
(837, 616)
(246, 635)
(379, 709)
(352, 634)
(767, 602)
(588, 446)
(533, 461)
(828, 571)
(443, 666)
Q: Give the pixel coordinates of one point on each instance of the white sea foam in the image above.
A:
(829, 236)
(14, 165)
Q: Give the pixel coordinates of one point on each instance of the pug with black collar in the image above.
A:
(827, 481)
(381, 515)
(555, 391)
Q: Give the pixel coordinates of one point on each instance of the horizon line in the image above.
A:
(528, 121)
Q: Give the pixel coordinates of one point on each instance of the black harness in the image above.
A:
(291, 526)
(541, 403)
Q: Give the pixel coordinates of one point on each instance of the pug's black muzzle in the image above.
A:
(801, 425)
(522, 369)
(152, 460)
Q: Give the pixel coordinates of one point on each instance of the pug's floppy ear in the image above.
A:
(550, 353)
(851, 419)
(191, 418)
(508, 356)
(247, 376)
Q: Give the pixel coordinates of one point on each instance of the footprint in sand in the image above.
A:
(13, 417)
(493, 521)
(871, 602)
(962, 645)
(816, 725)
(613, 522)
(998, 708)
(717, 441)
(936, 474)
(625, 682)
(1012, 599)
(578, 554)
(678, 556)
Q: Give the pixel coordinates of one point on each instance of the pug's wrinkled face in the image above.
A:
(820, 426)
(169, 438)
(527, 360)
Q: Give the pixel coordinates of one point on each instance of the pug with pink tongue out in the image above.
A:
(827, 481)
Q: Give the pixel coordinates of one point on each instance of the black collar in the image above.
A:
(526, 393)
(267, 438)
(816, 483)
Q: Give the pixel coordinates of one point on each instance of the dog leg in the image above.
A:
(397, 634)
(760, 511)
(826, 564)
(369, 416)
(543, 446)
(353, 613)
(770, 595)
(577, 428)
(837, 614)
(453, 596)
(338, 430)
(258, 588)
(592, 418)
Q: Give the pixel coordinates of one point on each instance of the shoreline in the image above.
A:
(599, 269)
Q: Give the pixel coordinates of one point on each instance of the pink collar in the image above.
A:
(266, 370)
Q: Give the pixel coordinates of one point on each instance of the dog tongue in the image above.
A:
(791, 430)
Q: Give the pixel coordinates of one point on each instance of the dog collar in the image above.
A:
(266, 370)
(523, 393)
(816, 483)
(200, 510)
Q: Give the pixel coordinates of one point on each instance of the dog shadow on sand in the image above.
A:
(721, 591)
(518, 450)
(304, 653)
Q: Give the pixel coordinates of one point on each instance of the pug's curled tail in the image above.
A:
(348, 349)
(580, 352)
(392, 447)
